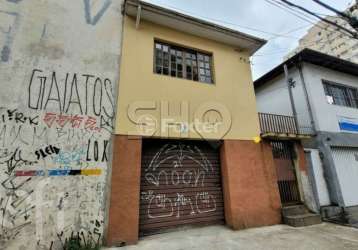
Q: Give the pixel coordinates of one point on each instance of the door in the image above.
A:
(286, 173)
(180, 185)
(346, 164)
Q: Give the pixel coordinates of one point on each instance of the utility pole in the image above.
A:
(290, 83)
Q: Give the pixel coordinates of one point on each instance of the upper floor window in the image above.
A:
(183, 63)
(341, 95)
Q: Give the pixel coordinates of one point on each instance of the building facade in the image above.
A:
(328, 39)
(324, 97)
(184, 150)
(59, 65)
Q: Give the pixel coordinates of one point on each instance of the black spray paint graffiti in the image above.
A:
(12, 135)
(18, 117)
(94, 150)
(93, 19)
(7, 31)
(44, 152)
(15, 160)
(65, 96)
(14, 207)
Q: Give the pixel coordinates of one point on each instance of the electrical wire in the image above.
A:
(230, 23)
(274, 35)
(298, 13)
(341, 28)
(289, 32)
(278, 5)
(281, 50)
(282, 6)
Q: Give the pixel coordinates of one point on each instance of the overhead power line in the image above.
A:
(353, 34)
(298, 14)
(285, 8)
(307, 18)
(353, 21)
(296, 11)
(275, 35)
(289, 32)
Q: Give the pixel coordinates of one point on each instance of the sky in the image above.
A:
(258, 18)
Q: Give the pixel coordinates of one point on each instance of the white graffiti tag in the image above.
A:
(184, 169)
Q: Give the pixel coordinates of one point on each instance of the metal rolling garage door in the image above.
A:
(180, 185)
(346, 164)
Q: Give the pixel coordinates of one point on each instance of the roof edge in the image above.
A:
(313, 57)
(259, 42)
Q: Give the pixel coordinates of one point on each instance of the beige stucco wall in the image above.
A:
(233, 87)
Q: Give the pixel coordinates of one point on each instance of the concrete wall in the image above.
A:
(59, 64)
(233, 88)
(320, 181)
(327, 116)
(303, 179)
(273, 98)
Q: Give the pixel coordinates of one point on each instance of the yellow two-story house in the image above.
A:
(187, 150)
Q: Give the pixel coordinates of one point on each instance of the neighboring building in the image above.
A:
(184, 149)
(325, 98)
(327, 39)
(353, 9)
(59, 65)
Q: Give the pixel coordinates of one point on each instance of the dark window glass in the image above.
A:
(341, 95)
(165, 71)
(183, 63)
(158, 70)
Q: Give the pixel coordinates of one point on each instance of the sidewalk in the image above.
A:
(324, 236)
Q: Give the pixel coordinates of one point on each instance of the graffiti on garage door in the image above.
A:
(182, 167)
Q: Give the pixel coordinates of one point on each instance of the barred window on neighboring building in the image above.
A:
(341, 95)
(184, 63)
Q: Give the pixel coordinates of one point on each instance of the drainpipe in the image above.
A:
(139, 13)
(329, 172)
(310, 112)
(290, 83)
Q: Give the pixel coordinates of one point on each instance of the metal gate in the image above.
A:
(286, 174)
(180, 186)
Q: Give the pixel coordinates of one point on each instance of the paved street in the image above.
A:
(325, 236)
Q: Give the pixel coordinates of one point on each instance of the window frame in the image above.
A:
(185, 51)
(347, 91)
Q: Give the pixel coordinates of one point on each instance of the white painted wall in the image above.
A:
(321, 184)
(327, 115)
(274, 98)
(347, 171)
(58, 59)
